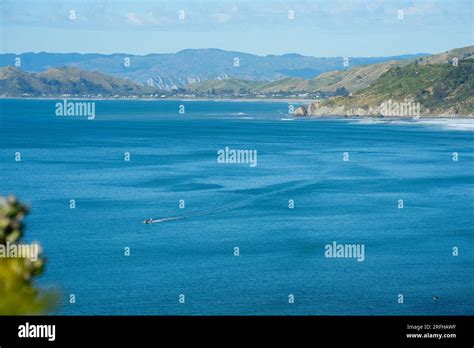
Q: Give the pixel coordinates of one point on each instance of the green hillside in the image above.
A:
(290, 84)
(439, 88)
(66, 81)
(227, 86)
(359, 78)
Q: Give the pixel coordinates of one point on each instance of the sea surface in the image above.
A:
(173, 157)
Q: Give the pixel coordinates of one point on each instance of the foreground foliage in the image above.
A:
(18, 294)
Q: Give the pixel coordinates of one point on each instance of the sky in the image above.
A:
(321, 28)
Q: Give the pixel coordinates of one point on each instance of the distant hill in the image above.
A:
(351, 80)
(176, 70)
(441, 87)
(356, 79)
(448, 56)
(227, 86)
(65, 81)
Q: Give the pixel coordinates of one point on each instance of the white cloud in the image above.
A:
(141, 19)
(222, 17)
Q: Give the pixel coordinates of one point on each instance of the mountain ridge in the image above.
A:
(168, 71)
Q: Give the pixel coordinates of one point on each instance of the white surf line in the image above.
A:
(222, 209)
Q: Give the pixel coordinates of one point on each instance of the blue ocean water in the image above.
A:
(282, 251)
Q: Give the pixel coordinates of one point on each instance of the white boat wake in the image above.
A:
(224, 208)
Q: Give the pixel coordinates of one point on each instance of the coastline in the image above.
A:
(260, 100)
(386, 118)
(314, 110)
(375, 118)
